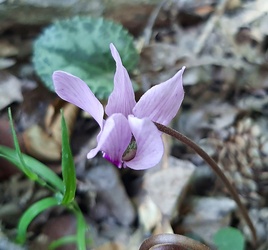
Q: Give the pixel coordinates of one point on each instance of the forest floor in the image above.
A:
(224, 46)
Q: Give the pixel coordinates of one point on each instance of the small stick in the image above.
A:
(147, 32)
(209, 26)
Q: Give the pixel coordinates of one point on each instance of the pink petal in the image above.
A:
(72, 89)
(122, 99)
(149, 143)
(162, 102)
(114, 139)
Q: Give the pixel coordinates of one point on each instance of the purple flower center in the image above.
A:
(115, 162)
(128, 155)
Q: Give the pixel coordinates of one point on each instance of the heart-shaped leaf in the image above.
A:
(80, 46)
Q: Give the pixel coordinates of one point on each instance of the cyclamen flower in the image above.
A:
(128, 137)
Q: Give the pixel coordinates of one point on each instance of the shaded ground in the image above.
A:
(224, 47)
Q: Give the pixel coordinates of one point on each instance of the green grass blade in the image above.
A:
(23, 166)
(81, 231)
(62, 241)
(49, 177)
(81, 228)
(31, 213)
(68, 169)
(80, 237)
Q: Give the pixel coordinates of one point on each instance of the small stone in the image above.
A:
(5, 243)
(264, 214)
(264, 148)
(10, 89)
(111, 199)
(166, 186)
(255, 130)
(216, 210)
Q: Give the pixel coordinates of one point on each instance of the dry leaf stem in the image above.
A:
(216, 169)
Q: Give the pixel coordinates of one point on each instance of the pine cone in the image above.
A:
(243, 156)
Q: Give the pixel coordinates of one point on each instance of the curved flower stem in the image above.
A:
(216, 169)
(171, 241)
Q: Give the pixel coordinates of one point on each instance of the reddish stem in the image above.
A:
(216, 169)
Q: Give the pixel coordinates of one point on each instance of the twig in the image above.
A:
(209, 26)
(147, 32)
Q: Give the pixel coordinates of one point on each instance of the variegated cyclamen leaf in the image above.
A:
(80, 46)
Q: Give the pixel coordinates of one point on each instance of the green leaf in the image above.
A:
(22, 164)
(81, 228)
(44, 173)
(81, 231)
(62, 241)
(68, 168)
(80, 46)
(66, 240)
(229, 238)
(31, 213)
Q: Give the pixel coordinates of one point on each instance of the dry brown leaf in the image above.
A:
(159, 56)
(53, 118)
(45, 144)
(7, 49)
(233, 4)
(204, 11)
(251, 12)
(149, 213)
(40, 145)
(163, 227)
